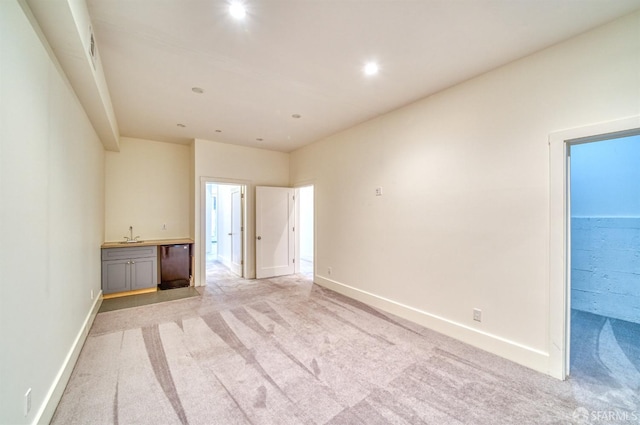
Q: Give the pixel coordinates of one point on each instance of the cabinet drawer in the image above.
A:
(127, 253)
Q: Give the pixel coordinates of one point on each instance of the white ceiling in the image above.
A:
(306, 57)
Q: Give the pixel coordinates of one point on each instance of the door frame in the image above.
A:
(244, 184)
(297, 226)
(560, 143)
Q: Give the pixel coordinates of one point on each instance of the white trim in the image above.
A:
(511, 350)
(559, 266)
(51, 400)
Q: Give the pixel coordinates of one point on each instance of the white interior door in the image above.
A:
(236, 232)
(275, 243)
(224, 224)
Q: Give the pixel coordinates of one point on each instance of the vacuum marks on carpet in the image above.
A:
(292, 358)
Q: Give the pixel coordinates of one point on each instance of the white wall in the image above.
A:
(51, 221)
(229, 163)
(464, 219)
(147, 186)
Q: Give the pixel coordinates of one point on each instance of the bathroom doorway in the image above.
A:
(224, 226)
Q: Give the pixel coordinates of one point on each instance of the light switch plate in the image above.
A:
(477, 315)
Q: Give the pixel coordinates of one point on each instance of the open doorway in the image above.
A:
(224, 226)
(284, 231)
(604, 229)
(560, 143)
(305, 234)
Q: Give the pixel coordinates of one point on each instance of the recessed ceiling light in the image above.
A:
(181, 125)
(296, 116)
(371, 68)
(197, 90)
(237, 10)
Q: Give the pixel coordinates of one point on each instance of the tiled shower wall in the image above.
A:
(605, 266)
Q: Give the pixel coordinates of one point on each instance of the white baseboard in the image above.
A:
(518, 353)
(51, 400)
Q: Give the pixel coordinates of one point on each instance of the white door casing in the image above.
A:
(275, 241)
(559, 231)
(201, 254)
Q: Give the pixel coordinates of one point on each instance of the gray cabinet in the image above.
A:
(128, 269)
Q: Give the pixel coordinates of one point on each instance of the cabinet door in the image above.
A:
(115, 276)
(143, 273)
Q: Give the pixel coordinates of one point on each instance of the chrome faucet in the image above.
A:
(130, 238)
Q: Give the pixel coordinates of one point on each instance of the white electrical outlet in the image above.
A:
(329, 270)
(378, 191)
(27, 402)
(477, 315)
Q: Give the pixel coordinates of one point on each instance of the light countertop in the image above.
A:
(150, 242)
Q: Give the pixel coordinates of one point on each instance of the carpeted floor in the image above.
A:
(605, 359)
(285, 351)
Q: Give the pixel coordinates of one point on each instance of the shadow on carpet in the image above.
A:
(146, 299)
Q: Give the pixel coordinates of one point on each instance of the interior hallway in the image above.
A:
(284, 350)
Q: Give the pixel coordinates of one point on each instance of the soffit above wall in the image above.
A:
(67, 27)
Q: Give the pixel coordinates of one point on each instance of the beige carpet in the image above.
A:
(285, 351)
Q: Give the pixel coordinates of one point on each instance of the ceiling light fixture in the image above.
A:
(197, 90)
(237, 10)
(371, 68)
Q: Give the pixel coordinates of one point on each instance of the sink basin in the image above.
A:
(130, 242)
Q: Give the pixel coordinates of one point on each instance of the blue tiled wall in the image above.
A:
(605, 266)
